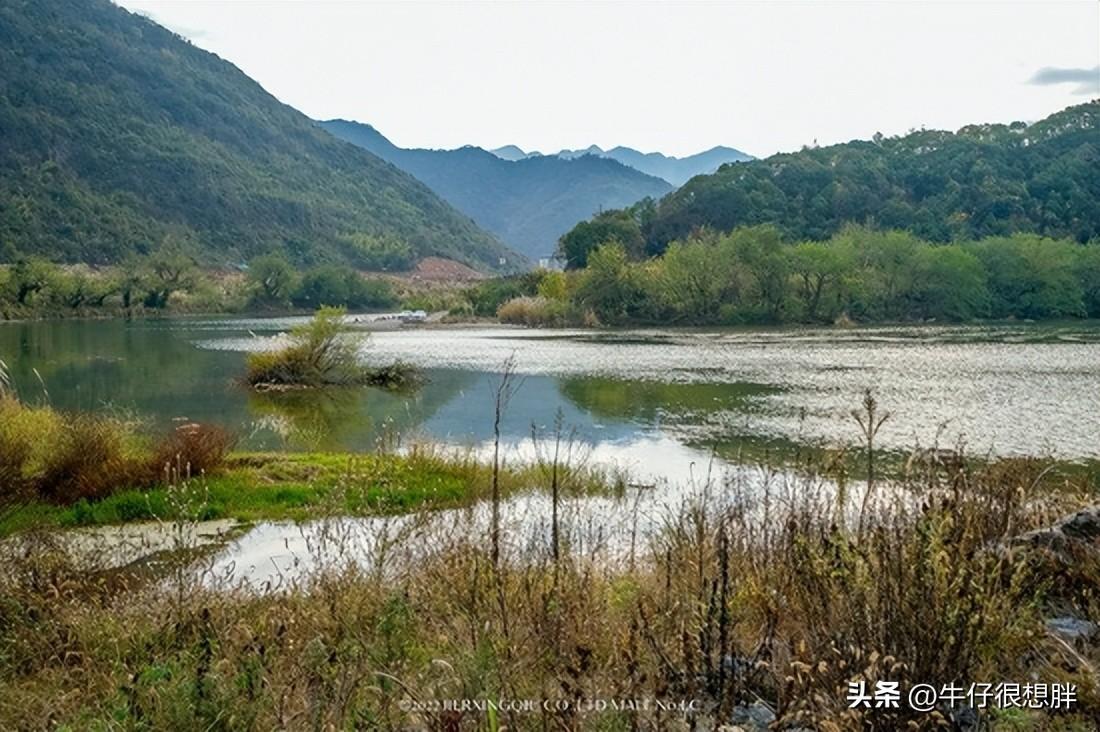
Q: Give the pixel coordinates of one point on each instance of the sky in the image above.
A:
(763, 77)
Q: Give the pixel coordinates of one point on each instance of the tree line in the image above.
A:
(757, 275)
(171, 280)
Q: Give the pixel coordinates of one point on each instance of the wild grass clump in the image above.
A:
(533, 312)
(319, 354)
(193, 449)
(88, 460)
(63, 458)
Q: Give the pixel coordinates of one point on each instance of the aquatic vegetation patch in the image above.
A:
(319, 354)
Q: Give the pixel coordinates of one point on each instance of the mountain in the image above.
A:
(511, 152)
(984, 180)
(676, 171)
(119, 136)
(528, 203)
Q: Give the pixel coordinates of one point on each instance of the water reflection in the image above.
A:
(1019, 389)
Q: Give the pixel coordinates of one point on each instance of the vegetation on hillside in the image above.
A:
(121, 139)
(984, 180)
(755, 275)
(527, 203)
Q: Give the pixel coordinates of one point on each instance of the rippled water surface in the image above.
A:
(654, 400)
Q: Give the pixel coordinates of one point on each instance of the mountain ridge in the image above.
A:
(670, 168)
(527, 203)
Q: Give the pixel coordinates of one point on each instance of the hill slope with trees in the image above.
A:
(528, 203)
(984, 180)
(121, 138)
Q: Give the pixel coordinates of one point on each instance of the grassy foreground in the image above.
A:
(751, 604)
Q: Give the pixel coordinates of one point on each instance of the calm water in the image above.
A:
(652, 400)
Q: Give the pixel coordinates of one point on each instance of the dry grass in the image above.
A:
(764, 592)
(65, 458)
(533, 312)
(192, 449)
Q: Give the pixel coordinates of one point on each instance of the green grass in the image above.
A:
(291, 486)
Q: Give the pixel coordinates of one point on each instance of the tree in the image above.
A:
(886, 263)
(273, 278)
(609, 287)
(168, 271)
(761, 252)
(1088, 272)
(30, 276)
(692, 280)
(1032, 276)
(322, 286)
(950, 284)
(818, 267)
(606, 227)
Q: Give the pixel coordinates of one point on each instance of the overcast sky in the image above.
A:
(674, 77)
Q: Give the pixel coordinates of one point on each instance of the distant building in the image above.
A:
(552, 262)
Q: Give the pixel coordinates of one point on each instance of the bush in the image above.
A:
(317, 356)
(87, 461)
(15, 450)
(192, 449)
(67, 459)
(533, 312)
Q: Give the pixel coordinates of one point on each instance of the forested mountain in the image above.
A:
(120, 137)
(528, 203)
(984, 180)
(676, 171)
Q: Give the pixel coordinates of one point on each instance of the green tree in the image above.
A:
(761, 252)
(29, 277)
(618, 226)
(1088, 273)
(692, 280)
(818, 269)
(324, 286)
(332, 286)
(609, 287)
(1032, 277)
(950, 284)
(273, 278)
(168, 271)
(885, 262)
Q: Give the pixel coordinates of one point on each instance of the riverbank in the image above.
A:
(741, 607)
(250, 487)
(260, 590)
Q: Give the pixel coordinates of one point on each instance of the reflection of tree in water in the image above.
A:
(707, 416)
(144, 366)
(351, 418)
(648, 401)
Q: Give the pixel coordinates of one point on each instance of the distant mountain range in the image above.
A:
(119, 137)
(527, 202)
(676, 171)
